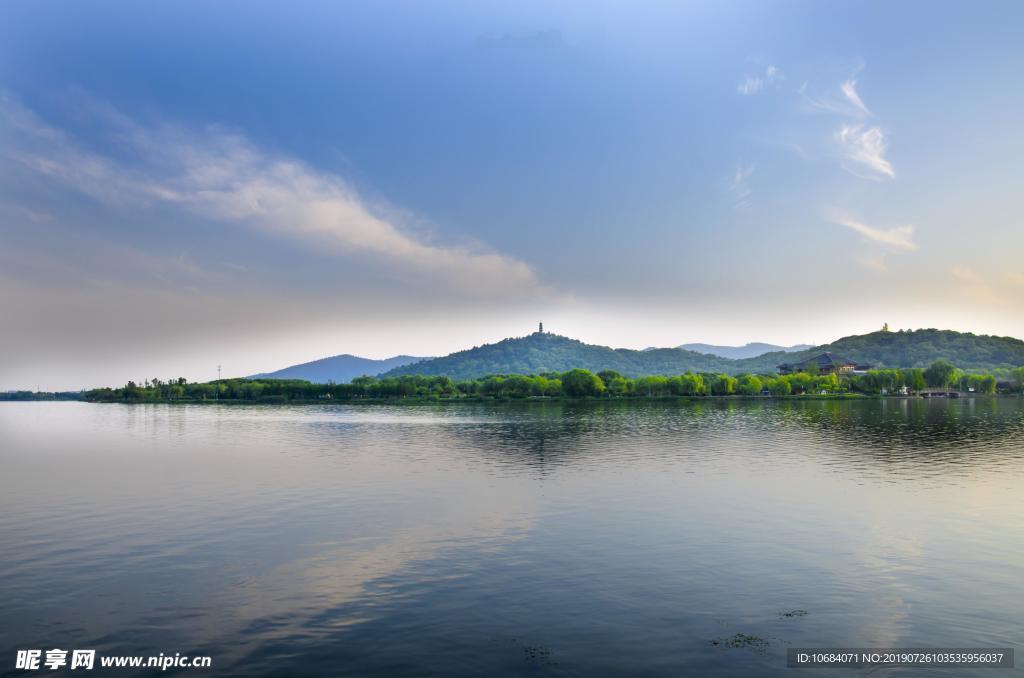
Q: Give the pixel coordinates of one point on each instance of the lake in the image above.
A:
(529, 539)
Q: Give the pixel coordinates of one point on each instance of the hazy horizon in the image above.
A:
(228, 373)
(190, 185)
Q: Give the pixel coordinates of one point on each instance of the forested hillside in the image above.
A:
(538, 353)
(918, 348)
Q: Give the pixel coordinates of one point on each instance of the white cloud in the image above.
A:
(967, 275)
(987, 287)
(898, 238)
(849, 89)
(752, 84)
(846, 102)
(1014, 278)
(864, 148)
(874, 261)
(975, 287)
(222, 175)
(739, 186)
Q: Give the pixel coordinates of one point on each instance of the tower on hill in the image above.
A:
(540, 328)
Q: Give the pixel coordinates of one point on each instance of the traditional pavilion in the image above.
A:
(826, 363)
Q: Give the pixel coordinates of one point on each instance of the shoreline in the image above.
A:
(418, 400)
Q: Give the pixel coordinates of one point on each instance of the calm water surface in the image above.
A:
(560, 539)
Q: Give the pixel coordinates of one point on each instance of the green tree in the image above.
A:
(940, 374)
(800, 382)
(675, 385)
(1017, 374)
(131, 391)
(882, 381)
(827, 382)
(652, 385)
(722, 384)
(748, 384)
(913, 379)
(779, 386)
(693, 384)
(978, 383)
(553, 387)
(615, 383)
(582, 383)
(617, 386)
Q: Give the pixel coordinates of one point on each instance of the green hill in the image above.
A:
(918, 348)
(546, 352)
(543, 352)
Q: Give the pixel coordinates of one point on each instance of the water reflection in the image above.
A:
(608, 538)
(869, 436)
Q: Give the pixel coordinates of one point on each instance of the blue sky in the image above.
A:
(381, 178)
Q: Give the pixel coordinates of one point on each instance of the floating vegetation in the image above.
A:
(538, 654)
(793, 613)
(742, 640)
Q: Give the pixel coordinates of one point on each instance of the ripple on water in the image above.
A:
(505, 539)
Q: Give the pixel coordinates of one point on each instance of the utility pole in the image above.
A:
(217, 395)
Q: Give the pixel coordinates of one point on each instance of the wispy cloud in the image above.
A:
(845, 102)
(863, 150)
(974, 286)
(1014, 278)
(849, 90)
(967, 275)
(861, 146)
(739, 186)
(898, 238)
(987, 287)
(875, 262)
(752, 84)
(223, 176)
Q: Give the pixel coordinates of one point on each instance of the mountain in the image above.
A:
(544, 352)
(919, 348)
(339, 369)
(751, 350)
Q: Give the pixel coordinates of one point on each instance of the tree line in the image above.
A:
(40, 395)
(576, 383)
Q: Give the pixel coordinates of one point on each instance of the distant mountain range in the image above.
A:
(550, 352)
(751, 350)
(545, 352)
(340, 368)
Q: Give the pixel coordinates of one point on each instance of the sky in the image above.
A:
(252, 184)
